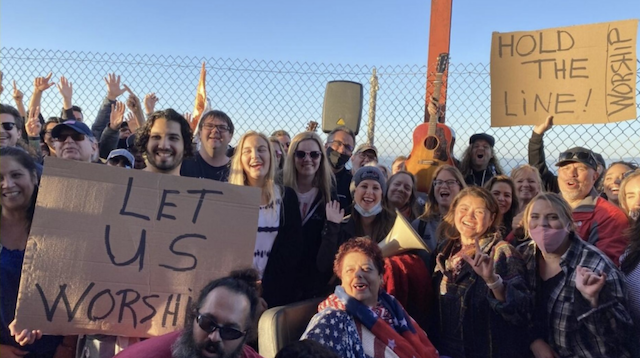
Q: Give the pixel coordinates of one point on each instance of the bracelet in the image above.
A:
(498, 283)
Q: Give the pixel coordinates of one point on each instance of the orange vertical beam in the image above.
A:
(439, 40)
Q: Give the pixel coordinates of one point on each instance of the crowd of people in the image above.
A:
(523, 264)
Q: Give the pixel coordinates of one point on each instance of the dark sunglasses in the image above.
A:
(77, 137)
(209, 325)
(301, 154)
(8, 126)
(581, 156)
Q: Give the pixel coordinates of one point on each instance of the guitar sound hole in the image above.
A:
(431, 143)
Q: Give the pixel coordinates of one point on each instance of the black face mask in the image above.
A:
(336, 159)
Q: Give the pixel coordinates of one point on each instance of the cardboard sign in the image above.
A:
(125, 252)
(580, 75)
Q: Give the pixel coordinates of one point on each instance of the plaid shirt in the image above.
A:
(574, 328)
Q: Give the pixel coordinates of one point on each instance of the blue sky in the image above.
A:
(354, 32)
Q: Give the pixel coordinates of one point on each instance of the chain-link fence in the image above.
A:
(268, 95)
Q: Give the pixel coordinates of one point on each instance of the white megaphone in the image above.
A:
(401, 238)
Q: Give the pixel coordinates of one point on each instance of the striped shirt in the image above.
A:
(268, 226)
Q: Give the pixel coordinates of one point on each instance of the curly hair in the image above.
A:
(142, 136)
(465, 164)
(363, 245)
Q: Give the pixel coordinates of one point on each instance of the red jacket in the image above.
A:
(602, 224)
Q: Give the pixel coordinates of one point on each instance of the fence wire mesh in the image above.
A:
(269, 95)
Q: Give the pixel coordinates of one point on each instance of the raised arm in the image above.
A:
(537, 156)
(40, 84)
(134, 105)
(114, 90)
(18, 96)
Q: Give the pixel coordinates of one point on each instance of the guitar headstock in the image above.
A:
(443, 61)
(312, 126)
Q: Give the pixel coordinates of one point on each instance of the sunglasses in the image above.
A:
(209, 325)
(581, 156)
(301, 154)
(7, 126)
(77, 137)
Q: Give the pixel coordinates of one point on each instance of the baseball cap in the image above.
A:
(122, 153)
(578, 155)
(76, 126)
(364, 147)
(484, 136)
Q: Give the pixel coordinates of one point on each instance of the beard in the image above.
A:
(187, 347)
(164, 166)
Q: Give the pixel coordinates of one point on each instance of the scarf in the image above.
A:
(396, 333)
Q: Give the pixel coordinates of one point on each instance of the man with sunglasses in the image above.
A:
(215, 131)
(217, 325)
(339, 148)
(598, 221)
(11, 129)
(73, 140)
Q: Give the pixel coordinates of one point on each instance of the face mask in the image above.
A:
(373, 212)
(548, 239)
(336, 159)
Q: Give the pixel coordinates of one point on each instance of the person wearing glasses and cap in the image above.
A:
(218, 324)
(598, 221)
(74, 140)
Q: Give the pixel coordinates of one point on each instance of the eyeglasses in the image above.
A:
(220, 127)
(581, 156)
(449, 183)
(314, 154)
(209, 325)
(339, 144)
(8, 126)
(629, 172)
(77, 137)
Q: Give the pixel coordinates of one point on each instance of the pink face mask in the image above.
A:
(548, 239)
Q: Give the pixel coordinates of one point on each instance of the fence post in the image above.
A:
(373, 95)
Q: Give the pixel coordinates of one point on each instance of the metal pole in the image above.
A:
(373, 95)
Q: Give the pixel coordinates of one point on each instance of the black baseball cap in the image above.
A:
(76, 126)
(578, 155)
(484, 136)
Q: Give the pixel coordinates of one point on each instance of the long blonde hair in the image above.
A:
(237, 175)
(622, 194)
(323, 179)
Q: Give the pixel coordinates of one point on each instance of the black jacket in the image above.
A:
(537, 159)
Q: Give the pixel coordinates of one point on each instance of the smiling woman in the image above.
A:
(402, 195)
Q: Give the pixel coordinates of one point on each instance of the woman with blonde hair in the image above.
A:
(278, 250)
(528, 184)
(308, 172)
(447, 183)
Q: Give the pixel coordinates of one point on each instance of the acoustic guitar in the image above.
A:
(432, 141)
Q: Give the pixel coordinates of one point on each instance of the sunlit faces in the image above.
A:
(285, 141)
(69, 148)
(472, 218)
(165, 148)
(502, 193)
(307, 166)
(612, 180)
(214, 135)
(9, 131)
(342, 142)
(363, 158)
(227, 309)
(632, 196)
(17, 185)
(256, 159)
(576, 181)
(368, 194)
(480, 154)
(360, 278)
(445, 187)
(543, 213)
(400, 189)
(527, 186)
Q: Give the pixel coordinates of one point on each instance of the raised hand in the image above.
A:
(133, 102)
(117, 115)
(188, 117)
(433, 107)
(589, 284)
(26, 336)
(1, 77)
(544, 126)
(33, 126)
(482, 263)
(41, 84)
(66, 90)
(17, 94)
(113, 87)
(541, 349)
(150, 101)
(333, 212)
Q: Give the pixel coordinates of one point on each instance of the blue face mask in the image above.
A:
(373, 212)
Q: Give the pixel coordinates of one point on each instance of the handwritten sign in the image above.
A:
(581, 74)
(125, 252)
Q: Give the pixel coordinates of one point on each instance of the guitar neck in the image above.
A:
(433, 119)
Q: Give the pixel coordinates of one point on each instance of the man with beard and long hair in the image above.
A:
(165, 140)
(218, 324)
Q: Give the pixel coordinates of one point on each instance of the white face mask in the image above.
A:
(373, 212)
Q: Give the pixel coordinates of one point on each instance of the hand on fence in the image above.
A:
(132, 119)
(150, 101)
(66, 90)
(544, 126)
(33, 125)
(41, 84)
(117, 115)
(113, 87)
(133, 102)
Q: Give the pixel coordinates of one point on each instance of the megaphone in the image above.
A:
(401, 238)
